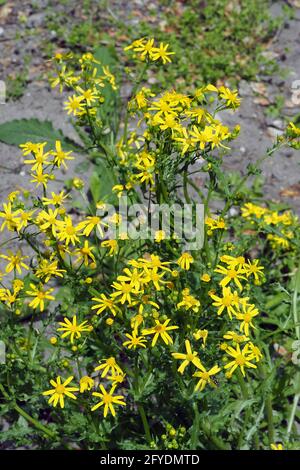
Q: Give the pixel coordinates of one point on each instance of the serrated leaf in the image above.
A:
(19, 131)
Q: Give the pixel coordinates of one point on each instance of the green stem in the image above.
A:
(134, 90)
(242, 384)
(217, 441)
(206, 428)
(195, 187)
(269, 414)
(29, 418)
(245, 395)
(145, 423)
(292, 415)
(185, 189)
(268, 408)
(35, 423)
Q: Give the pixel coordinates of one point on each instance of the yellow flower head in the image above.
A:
(59, 391)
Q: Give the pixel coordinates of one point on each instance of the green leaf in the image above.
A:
(101, 183)
(106, 55)
(19, 131)
(95, 186)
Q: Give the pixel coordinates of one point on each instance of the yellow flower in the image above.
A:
(188, 301)
(10, 218)
(231, 97)
(197, 113)
(109, 365)
(277, 447)
(246, 316)
(47, 269)
(56, 199)
(230, 274)
(199, 137)
(134, 340)
(233, 336)
(145, 48)
(85, 254)
(91, 223)
(8, 297)
(146, 175)
(189, 358)
(89, 95)
(168, 121)
(59, 391)
(162, 53)
(67, 232)
(74, 105)
(160, 330)
(153, 262)
(103, 303)
(151, 275)
(15, 261)
(250, 209)
(230, 301)
(233, 261)
(18, 285)
(112, 245)
(134, 44)
(86, 383)
(40, 158)
(40, 178)
(241, 359)
(185, 140)
(201, 334)
(205, 376)
(12, 196)
(124, 291)
(185, 261)
(48, 220)
(254, 350)
(25, 218)
(160, 235)
(108, 400)
(133, 277)
(78, 183)
(60, 156)
(205, 277)
(116, 378)
(136, 321)
(253, 269)
(29, 147)
(109, 76)
(72, 329)
(215, 224)
(40, 296)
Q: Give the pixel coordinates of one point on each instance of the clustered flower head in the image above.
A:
(284, 223)
(146, 49)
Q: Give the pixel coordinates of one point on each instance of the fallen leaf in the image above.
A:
(259, 87)
(292, 191)
(5, 12)
(291, 104)
(281, 351)
(262, 101)
(294, 3)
